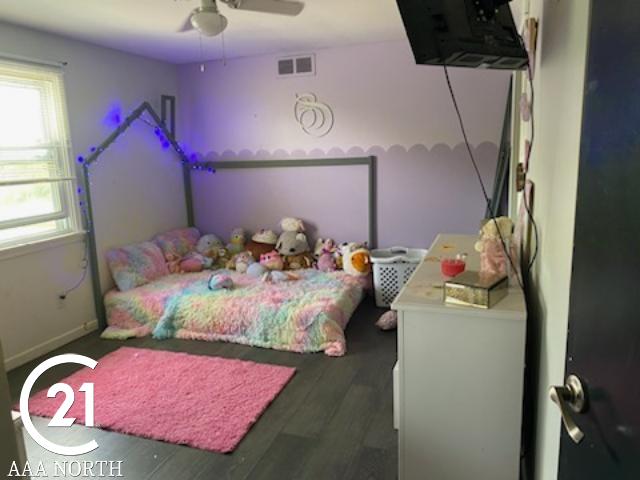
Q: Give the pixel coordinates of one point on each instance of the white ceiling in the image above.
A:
(148, 27)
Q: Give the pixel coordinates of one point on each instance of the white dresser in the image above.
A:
(460, 377)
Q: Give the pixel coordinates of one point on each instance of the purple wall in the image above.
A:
(384, 105)
(421, 192)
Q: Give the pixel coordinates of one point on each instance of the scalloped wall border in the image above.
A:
(355, 151)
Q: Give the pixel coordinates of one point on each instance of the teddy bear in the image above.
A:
(263, 241)
(237, 241)
(293, 245)
(290, 224)
(298, 262)
(242, 261)
(223, 258)
(493, 258)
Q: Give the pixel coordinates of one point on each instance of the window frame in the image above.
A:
(62, 175)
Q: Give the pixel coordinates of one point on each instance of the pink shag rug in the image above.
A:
(204, 402)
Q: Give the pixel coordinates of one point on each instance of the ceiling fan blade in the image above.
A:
(279, 7)
(186, 26)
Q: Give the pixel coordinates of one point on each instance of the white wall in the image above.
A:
(9, 452)
(32, 318)
(384, 104)
(559, 89)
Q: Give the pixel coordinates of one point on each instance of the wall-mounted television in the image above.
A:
(463, 33)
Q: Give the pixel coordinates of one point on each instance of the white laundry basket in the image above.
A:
(392, 267)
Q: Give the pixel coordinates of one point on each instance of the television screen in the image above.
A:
(463, 33)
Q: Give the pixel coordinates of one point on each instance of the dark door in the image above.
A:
(604, 319)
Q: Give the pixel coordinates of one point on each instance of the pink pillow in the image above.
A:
(136, 265)
(177, 243)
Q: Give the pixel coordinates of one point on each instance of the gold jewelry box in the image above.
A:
(475, 289)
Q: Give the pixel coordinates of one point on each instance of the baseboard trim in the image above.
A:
(50, 345)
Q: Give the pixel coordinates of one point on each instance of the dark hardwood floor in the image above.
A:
(334, 420)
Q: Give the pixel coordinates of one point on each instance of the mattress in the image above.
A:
(305, 315)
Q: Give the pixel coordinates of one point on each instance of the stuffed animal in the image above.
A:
(493, 258)
(388, 320)
(326, 262)
(208, 246)
(275, 276)
(237, 241)
(272, 261)
(220, 282)
(324, 245)
(269, 270)
(290, 224)
(344, 249)
(298, 262)
(292, 243)
(256, 270)
(173, 262)
(195, 262)
(261, 242)
(190, 263)
(357, 262)
(294, 247)
(223, 258)
(242, 262)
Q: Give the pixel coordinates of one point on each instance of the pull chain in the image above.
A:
(224, 52)
(202, 67)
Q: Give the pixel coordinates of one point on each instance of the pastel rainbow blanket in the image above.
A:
(305, 315)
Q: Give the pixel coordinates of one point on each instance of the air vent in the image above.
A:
(285, 67)
(298, 65)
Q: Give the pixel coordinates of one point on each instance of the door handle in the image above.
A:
(570, 396)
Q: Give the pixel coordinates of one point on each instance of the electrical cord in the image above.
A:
(85, 268)
(479, 175)
(85, 258)
(525, 200)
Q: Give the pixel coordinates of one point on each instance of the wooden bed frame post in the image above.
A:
(169, 101)
(89, 225)
(373, 203)
(98, 301)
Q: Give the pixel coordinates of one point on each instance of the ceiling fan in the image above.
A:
(210, 22)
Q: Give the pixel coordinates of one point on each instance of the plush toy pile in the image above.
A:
(495, 234)
(272, 257)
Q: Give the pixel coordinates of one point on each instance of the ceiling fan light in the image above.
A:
(209, 23)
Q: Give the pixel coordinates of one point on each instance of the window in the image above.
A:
(36, 171)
